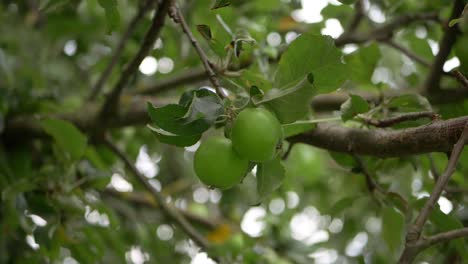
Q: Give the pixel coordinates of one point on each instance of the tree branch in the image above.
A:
(357, 18)
(445, 46)
(179, 18)
(119, 49)
(385, 31)
(142, 199)
(460, 78)
(414, 231)
(437, 136)
(372, 185)
(171, 212)
(407, 52)
(189, 76)
(442, 237)
(398, 119)
(112, 99)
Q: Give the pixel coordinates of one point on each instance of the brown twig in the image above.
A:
(445, 46)
(357, 18)
(171, 212)
(414, 231)
(442, 237)
(398, 119)
(407, 52)
(146, 200)
(372, 185)
(420, 60)
(179, 18)
(434, 171)
(112, 99)
(460, 78)
(119, 49)
(187, 77)
(386, 31)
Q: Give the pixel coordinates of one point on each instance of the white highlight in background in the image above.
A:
(332, 28)
(149, 65)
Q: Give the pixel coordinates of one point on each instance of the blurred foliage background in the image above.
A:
(69, 199)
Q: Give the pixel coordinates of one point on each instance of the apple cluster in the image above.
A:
(222, 162)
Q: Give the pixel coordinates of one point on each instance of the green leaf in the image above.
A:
(343, 204)
(311, 78)
(112, 13)
(66, 135)
(205, 31)
(203, 104)
(171, 119)
(290, 104)
(293, 96)
(409, 103)
(270, 176)
(176, 140)
(362, 63)
(353, 106)
(298, 127)
(447, 222)
(393, 226)
(251, 78)
(343, 159)
(254, 91)
(196, 112)
(220, 3)
(315, 54)
(455, 21)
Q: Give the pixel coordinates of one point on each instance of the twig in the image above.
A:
(119, 49)
(445, 46)
(167, 208)
(435, 173)
(460, 78)
(407, 52)
(398, 119)
(442, 237)
(414, 231)
(179, 18)
(158, 21)
(422, 61)
(389, 28)
(386, 31)
(372, 185)
(453, 189)
(187, 77)
(144, 200)
(358, 15)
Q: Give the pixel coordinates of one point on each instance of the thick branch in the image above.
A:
(119, 49)
(445, 46)
(172, 212)
(110, 105)
(437, 136)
